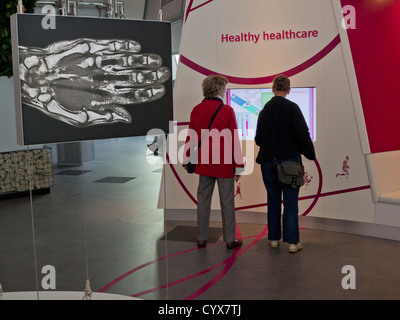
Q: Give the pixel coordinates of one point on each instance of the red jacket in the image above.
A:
(220, 153)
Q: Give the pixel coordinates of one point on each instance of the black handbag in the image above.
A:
(290, 174)
(190, 167)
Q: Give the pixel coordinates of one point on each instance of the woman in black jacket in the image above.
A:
(282, 133)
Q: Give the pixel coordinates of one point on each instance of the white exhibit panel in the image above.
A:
(250, 43)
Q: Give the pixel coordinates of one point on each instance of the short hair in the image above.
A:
(214, 85)
(281, 83)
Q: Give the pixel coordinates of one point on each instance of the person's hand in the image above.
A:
(86, 82)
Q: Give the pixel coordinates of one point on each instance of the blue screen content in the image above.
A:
(247, 104)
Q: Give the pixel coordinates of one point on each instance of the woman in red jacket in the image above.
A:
(219, 158)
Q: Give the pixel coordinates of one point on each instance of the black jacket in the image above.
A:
(292, 136)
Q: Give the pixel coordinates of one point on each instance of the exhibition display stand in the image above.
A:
(317, 45)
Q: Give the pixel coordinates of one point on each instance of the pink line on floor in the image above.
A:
(229, 264)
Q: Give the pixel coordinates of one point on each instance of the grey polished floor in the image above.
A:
(100, 222)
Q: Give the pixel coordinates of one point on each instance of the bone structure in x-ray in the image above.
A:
(86, 82)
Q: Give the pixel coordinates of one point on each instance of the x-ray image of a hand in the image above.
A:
(85, 82)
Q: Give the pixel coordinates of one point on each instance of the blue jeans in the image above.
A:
(290, 219)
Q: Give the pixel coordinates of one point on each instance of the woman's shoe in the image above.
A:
(274, 244)
(294, 247)
(201, 243)
(234, 244)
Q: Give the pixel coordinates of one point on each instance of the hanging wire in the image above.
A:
(164, 154)
(33, 222)
(88, 290)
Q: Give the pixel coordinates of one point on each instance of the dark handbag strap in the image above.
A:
(294, 177)
(211, 121)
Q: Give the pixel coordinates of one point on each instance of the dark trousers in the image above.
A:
(290, 218)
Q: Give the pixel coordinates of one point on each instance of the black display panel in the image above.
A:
(90, 78)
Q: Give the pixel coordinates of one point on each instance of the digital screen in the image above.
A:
(247, 104)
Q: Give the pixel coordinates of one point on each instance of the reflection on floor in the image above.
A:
(113, 234)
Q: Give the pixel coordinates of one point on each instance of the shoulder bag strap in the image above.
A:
(211, 121)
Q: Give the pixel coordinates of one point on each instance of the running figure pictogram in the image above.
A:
(345, 169)
(238, 191)
(307, 179)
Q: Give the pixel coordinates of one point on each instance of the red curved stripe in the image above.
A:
(318, 195)
(254, 81)
(179, 180)
(228, 265)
